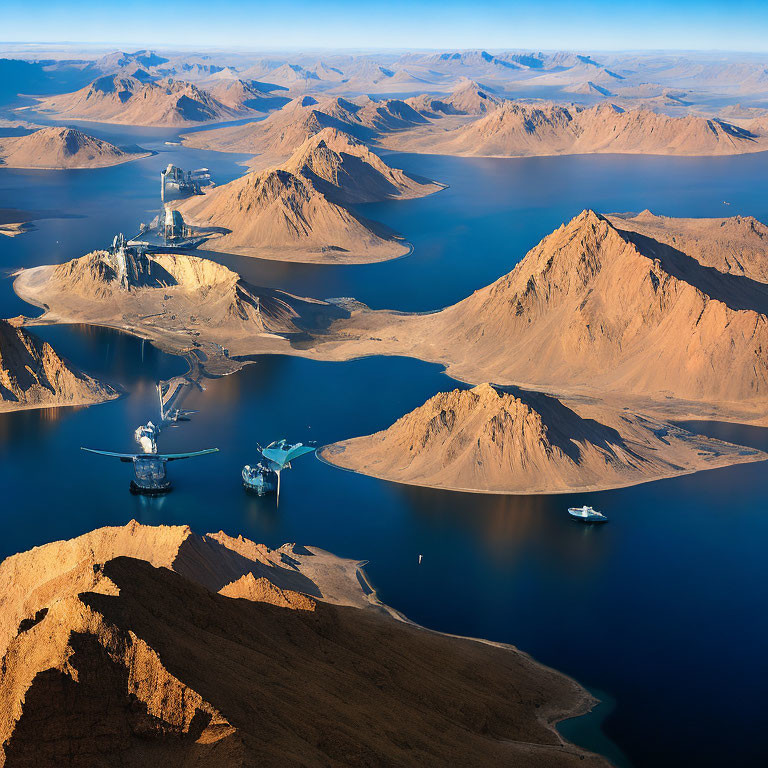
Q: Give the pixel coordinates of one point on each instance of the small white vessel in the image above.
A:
(587, 515)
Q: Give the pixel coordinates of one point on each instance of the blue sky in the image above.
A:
(735, 25)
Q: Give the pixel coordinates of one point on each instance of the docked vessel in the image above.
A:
(587, 515)
(259, 479)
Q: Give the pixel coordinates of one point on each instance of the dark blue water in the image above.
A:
(664, 609)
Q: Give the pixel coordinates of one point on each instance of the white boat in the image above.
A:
(587, 515)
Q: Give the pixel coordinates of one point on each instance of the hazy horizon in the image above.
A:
(596, 25)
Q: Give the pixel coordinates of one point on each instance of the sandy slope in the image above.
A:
(279, 135)
(154, 646)
(32, 375)
(54, 148)
(512, 441)
(186, 303)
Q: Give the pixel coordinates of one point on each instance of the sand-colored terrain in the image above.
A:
(512, 441)
(346, 171)
(152, 645)
(468, 98)
(184, 303)
(32, 375)
(298, 212)
(737, 245)
(244, 95)
(595, 309)
(519, 129)
(274, 139)
(61, 148)
(130, 101)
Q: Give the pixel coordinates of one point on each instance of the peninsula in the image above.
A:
(143, 645)
(62, 148)
(506, 440)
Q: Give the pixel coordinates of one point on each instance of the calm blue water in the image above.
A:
(664, 609)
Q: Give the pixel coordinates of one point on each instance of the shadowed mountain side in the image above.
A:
(511, 441)
(134, 664)
(736, 245)
(737, 292)
(593, 309)
(346, 171)
(274, 139)
(53, 148)
(32, 375)
(275, 214)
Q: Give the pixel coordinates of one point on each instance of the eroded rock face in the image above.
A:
(32, 375)
(213, 650)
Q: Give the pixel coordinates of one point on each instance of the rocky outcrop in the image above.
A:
(32, 375)
(279, 135)
(677, 320)
(122, 647)
(512, 441)
(178, 292)
(53, 148)
(346, 171)
(594, 305)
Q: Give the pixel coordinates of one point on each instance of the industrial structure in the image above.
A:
(149, 473)
(265, 476)
(176, 184)
(168, 230)
(130, 264)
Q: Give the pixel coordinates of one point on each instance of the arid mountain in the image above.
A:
(280, 134)
(180, 292)
(243, 95)
(736, 245)
(346, 171)
(598, 308)
(129, 101)
(469, 98)
(298, 211)
(142, 646)
(512, 441)
(180, 302)
(32, 375)
(61, 148)
(520, 129)
(278, 215)
(588, 88)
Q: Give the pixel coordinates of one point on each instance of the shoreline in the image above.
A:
(134, 156)
(536, 492)
(586, 705)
